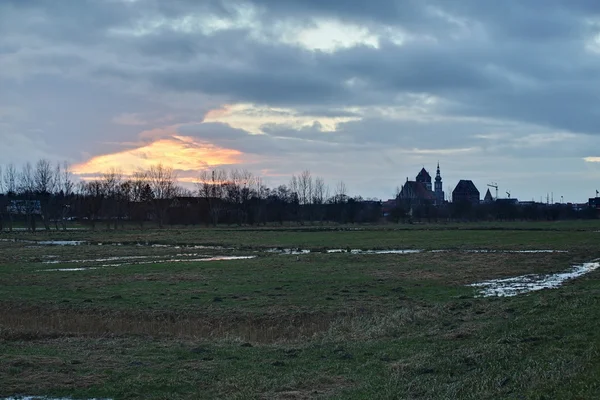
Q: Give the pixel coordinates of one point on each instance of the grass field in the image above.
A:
(158, 314)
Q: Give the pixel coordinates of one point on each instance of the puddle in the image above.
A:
(178, 260)
(513, 251)
(47, 242)
(159, 261)
(529, 283)
(358, 251)
(153, 259)
(404, 251)
(124, 258)
(226, 258)
(60, 242)
(67, 269)
(333, 251)
(385, 251)
(288, 251)
(173, 246)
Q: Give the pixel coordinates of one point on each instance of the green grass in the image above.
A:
(314, 326)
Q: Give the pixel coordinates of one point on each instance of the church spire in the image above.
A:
(439, 193)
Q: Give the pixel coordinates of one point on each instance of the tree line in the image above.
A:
(47, 194)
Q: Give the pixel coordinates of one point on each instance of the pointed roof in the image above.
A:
(423, 176)
(488, 196)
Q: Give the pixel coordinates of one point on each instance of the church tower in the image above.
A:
(424, 178)
(439, 193)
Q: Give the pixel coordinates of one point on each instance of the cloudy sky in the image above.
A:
(366, 92)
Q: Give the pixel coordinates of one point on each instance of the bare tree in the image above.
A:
(44, 184)
(10, 186)
(211, 187)
(162, 180)
(65, 186)
(341, 192)
(294, 185)
(26, 186)
(305, 187)
(124, 197)
(262, 192)
(141, 196)
(111, 185)
(10, 179)
(319, 197)
(43, 177)
(319, 191)
(26, 182)
(67, 179)
(94, 196)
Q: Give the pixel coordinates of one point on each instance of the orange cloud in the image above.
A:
(182, 153)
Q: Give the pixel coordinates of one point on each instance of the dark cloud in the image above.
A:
(510, 68)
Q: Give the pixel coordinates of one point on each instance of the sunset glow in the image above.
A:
(182, 153)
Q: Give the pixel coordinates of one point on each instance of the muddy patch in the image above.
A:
(508, 287)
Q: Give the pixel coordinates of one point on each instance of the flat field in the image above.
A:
(299, 313)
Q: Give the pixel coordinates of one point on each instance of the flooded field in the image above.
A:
(298, 314)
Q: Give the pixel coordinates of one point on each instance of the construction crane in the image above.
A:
(495, 186)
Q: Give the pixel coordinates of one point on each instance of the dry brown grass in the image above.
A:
(34, 323)
(323, 389)
(29, 323)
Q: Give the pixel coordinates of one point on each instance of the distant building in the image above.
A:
(419, 191)
(424, 178)
(594, 202)
(387, 206)
(508, 201)
(24, 207)
(415, 194)
(488, 197)
(465, 190)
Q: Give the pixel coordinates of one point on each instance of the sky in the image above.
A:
(365, 92)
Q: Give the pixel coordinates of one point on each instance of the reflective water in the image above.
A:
(127, 259)
(528, 283)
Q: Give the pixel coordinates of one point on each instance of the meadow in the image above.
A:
(299, 313)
